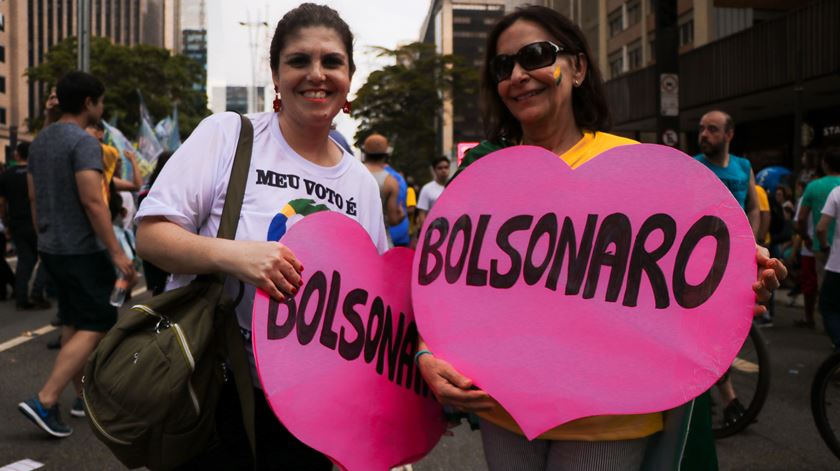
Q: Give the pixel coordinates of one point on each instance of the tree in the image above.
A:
(403, 101)
(161, 77)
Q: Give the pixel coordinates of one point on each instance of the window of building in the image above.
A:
(616, 22)
(2, 115)
(686, 29)
(634, 12)
(616, 62)
(634, 55)
(2, 84)
(651, 47)
(461, 20)
(2, 22)
(2, 54)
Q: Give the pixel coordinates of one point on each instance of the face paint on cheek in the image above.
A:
(558, 76)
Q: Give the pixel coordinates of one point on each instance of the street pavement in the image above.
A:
(783, 438)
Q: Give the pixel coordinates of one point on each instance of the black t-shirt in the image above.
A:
(13, 188)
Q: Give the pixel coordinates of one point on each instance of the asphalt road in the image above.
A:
(784, 438)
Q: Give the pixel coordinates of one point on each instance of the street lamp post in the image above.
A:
(253, 33)
(83, 27)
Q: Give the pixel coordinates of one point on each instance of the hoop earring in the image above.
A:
(347, 108)
(277, 102)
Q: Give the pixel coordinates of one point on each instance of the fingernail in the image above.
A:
(301, 268)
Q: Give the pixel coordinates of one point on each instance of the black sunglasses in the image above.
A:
(531, 57)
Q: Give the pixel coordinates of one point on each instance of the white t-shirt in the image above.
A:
(191, 188)
(832, 209)
(428, 195)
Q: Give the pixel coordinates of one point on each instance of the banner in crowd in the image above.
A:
(148, 145)
(620, 287)
(168, 132)
(336, 361)
(115, 137)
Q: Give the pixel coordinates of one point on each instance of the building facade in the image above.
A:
(29, 28)
(774, 65)
(194, 35)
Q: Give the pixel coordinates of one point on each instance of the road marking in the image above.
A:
(27, 336)
(22, 465)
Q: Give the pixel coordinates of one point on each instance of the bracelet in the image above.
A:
(420, 354)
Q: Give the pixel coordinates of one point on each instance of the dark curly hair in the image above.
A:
(589, 103)
(305, 16)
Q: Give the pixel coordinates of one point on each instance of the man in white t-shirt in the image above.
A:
(431, 191)
(830, 289)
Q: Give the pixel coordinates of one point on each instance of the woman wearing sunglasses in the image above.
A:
(540, 87)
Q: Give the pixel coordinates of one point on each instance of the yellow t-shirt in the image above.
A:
(110, 156)
(598, 428)
(763, 207)
(410, 202)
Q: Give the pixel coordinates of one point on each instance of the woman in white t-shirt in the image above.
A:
(296, 169)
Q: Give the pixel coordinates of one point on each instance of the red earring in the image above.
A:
(347, 108)
(277, 101)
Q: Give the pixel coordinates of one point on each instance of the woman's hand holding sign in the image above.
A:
(270, 266)
(771, 272)
(451, 388)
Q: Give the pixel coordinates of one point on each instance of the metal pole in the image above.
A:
(83, 28)
(667, 72)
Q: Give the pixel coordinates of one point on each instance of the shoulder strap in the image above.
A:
(237, 182)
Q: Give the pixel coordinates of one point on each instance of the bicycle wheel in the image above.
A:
(750, 378)
(825, 402)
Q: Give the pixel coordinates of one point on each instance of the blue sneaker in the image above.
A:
(48, 419)
(78, 409)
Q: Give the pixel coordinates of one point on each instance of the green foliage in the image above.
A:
(403, 101)
(161, 77)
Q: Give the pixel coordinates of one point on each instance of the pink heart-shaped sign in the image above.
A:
(620, 287)
(336, 362)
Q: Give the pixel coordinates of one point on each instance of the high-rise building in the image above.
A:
(460, 27)
(28, 29)
(194, 34)
(235, 98)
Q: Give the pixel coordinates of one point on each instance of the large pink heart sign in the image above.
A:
(620, 287)
(336, 362)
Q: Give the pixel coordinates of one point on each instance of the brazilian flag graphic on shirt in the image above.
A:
(299, 207)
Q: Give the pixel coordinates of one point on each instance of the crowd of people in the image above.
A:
(540, 86)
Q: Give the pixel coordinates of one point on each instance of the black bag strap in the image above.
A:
(232, 341)
(237, 182)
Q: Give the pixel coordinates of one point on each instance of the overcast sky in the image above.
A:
(384, 23)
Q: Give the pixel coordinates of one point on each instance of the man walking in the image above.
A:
(75, 238)
(830, 288)
(375, 149)
(15, 208)
(813, 200)
(431, 191)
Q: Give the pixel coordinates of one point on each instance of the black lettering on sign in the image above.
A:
(350, 350)
(643, 261)
(507, 280)
(546, 226)
(691, 296)
(277, 332)
(578, 258)
(615, 231)
(389, 347)
(306, 331)
(425, 276)
(328, 336)
(377, 314)
(462, 226)
(477, 276)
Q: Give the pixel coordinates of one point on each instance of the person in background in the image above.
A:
(431, 191)
(15, 209)
(830, 288)
(75, 239)
(813, 200)
(375, 149)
